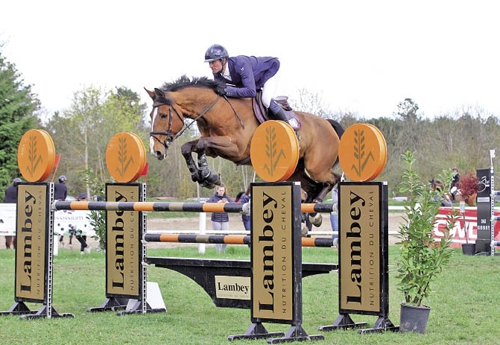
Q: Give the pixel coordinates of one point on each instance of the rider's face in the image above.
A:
(215, 66)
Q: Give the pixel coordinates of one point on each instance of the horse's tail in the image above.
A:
(338, 127)
(339, 130)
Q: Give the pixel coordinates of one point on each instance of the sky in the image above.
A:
(362, 56)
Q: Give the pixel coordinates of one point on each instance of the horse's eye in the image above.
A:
(163, 115)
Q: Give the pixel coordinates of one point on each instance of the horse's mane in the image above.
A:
(184, 82)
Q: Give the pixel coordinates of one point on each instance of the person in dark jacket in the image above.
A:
(11, 198)
(244, 198)
(60, 189)
(244, 75)
(454, 184)
(84, 246)
(60, 193)
(220, 220)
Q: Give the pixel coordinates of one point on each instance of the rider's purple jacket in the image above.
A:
(248, 74)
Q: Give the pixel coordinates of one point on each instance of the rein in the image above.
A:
(235, 113)
(168, 133)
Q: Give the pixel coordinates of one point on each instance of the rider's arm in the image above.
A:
(244, 78)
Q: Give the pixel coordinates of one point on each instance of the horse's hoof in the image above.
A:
(205, 184)
(214, 179)
(316, 220)
(304, 231)
(195, 177)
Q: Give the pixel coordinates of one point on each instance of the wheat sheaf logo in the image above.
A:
(34, 159)
(123, 158)
(360, 154)
(272, 151)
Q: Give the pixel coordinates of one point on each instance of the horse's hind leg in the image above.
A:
(320, 190)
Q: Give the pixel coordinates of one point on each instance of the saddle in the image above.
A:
(263, 114)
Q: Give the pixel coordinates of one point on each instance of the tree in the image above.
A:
(17, 115)
(82, 133)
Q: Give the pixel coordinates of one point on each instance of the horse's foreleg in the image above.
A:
(193, 169)
(208, 178)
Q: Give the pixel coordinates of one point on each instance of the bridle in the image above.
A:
(169, 136)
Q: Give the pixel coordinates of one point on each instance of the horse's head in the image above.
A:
(436, 185)
(166, 123)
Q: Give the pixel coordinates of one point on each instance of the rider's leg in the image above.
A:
(270, 89)
(279, 113)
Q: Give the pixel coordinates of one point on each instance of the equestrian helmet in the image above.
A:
(215, 52)
(16, 181)
(62, 178)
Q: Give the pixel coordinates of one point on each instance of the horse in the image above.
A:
(227, 126)
(438, 186)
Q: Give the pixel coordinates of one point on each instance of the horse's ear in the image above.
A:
(159, 93)
(150, 93)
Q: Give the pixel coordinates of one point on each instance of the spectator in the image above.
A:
(244, 198)
(334, 215)
(220, 220)
(60, 189)
(84, 247)
(61, 193)
(454, 184)
(11, 197)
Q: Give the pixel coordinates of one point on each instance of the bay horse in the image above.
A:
(438, 186)
(227, 126)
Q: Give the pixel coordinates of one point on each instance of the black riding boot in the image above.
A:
(280, 115)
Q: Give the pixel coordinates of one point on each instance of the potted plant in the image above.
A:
(422, 258)
(468, 186)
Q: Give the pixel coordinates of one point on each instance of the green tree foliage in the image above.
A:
(17, 115)
(82, 133)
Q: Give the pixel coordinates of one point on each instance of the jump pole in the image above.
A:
(228, 239)
(170, 206)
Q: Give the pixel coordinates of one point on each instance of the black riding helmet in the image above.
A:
(215, 52)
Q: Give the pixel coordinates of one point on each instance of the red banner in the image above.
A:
(458, 231)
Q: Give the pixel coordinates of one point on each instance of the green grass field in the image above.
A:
(464, 305)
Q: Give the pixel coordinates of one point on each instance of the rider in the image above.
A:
(454, 183)
(247, 74)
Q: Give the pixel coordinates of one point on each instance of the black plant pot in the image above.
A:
(413, 319)
(469, 248)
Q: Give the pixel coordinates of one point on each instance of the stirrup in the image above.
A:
(294, 124)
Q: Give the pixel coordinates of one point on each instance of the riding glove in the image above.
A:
(221, 90)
